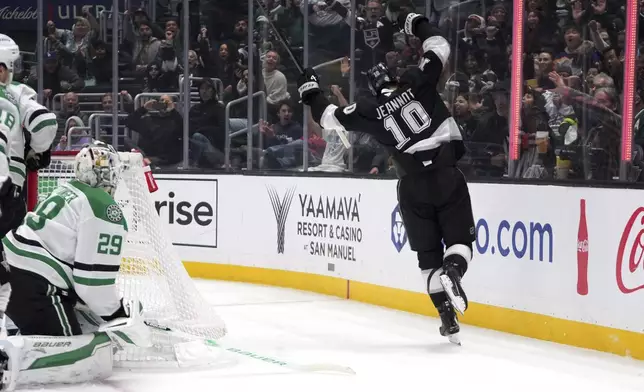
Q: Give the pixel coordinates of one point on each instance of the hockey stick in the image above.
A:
(317, 367)
(341, 133)
(299, 66)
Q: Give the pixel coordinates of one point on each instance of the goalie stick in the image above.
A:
(341, 134)
(316, 367)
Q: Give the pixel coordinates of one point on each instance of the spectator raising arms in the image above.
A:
(573, 72)
(57, 78)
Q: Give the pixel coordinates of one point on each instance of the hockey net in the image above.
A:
(150, 268)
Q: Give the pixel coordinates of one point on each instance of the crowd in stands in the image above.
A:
(572, 83)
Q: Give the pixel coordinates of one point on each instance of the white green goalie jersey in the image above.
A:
(19, 109)
(74, 240)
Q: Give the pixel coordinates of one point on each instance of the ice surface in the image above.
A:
(389, 350)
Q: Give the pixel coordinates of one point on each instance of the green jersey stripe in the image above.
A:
(17, 170)
(37, 256)
(93, 281)
(62, 317)
(43, 124)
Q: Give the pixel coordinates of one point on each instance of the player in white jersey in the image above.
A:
(9, 121)
(39, 123)
(66, 256)
(41, 127)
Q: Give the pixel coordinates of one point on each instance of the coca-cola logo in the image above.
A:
(582, 246)
(630, 269)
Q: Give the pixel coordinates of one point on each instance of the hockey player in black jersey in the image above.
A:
(410, 119)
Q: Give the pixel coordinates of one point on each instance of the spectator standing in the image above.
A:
(207, 131)
(274, 80)
(169, 67)
(160, 127)
(146, 49)
(374, 37)
(57, 78)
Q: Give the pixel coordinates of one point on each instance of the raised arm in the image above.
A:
(328, 115)
(436, 49)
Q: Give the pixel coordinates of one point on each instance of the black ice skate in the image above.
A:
(451, 282)
(449, 320)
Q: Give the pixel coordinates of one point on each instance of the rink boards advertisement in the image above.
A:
(549, 262)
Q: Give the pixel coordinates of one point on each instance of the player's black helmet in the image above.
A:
(377, 77)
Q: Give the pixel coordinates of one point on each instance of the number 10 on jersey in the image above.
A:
(415, 117)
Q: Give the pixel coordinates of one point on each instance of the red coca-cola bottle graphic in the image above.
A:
(582, 251)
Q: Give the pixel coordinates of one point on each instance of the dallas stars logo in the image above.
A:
(114, 213)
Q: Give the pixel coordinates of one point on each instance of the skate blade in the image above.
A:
(455, 339)
(457, 302)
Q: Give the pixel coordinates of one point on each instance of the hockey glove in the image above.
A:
(9, 199)
(36, 161)
(408, 21)
(308, 86)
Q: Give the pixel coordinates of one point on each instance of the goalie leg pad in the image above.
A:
(43, 360)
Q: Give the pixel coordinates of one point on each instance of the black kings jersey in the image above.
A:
(412, 121)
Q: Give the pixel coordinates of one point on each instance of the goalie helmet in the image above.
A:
(10, 57)
(98, 165)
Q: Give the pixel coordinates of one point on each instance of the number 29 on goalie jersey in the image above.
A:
(74, 240)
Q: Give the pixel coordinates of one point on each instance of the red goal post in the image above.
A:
(33, 177)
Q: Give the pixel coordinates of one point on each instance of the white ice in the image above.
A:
(389, 350)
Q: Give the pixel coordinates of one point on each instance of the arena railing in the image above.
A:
(74, 129)
(57, 100)
(219, 86)
(248, 130)
(436, 5)
(103, 21)
(94, 123)
(140, 99)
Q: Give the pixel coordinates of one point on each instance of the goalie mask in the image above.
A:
(98, 165)
(9, 57)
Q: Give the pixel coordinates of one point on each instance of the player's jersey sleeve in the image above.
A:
(17, 167)
(4, 150)
(9, 120)
(35, 118)
(436, 49)
(436, 54)
(355, 117)
(101, 239)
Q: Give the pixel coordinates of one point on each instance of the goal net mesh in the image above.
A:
(150, 268)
